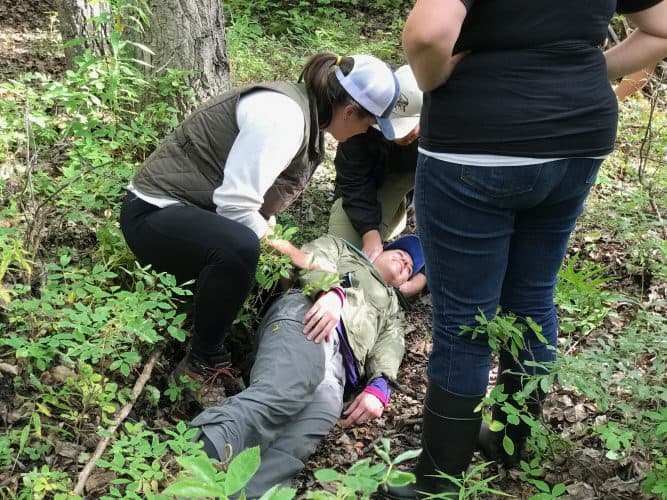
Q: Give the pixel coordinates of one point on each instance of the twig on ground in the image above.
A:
(406, 390)
(410, 421)
(122, 415)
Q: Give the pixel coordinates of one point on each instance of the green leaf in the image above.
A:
(541, 485)
(407, 455)
(279, 493)
(400, 478)
(364, 484)
(496, 426)
(558, 490)
(326, 475)
(200, 467)
(508, 445)
(662, 429)
(241, 469)
(513, 419)
(190, 488)
(361, 464)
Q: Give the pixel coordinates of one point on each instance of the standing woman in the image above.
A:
(518, 115)
(204, 198)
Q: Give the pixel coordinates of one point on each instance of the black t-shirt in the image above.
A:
(534, 83)
(363, 163)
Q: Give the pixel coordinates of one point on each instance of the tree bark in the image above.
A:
(189, 35)
(76, 24)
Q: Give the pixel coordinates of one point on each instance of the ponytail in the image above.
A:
(321, 83)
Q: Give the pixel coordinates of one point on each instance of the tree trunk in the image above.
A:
(189, 35)
(76, 25)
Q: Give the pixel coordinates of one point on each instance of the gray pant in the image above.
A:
(294, 398)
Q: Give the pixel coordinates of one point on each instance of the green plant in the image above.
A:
(45, 483)
(656, 480)
(201, 478)
(531, 472)
(581, 297)
(616, 439)
(364, 478)
(95, 319)
(471, 484)
(136, 458)
(508, 333)
(13, 256)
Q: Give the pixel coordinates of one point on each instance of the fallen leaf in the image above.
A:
(580, 490)
(98, 481)
(575, 414)
(10, 369)
(61, 373)
(68, 450)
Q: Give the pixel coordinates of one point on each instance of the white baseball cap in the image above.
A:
(407, 110)
(374, 86)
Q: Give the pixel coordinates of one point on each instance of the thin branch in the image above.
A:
(122, 415)
(613, 35)
(406, 390)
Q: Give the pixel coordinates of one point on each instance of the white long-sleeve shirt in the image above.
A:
(271, 129)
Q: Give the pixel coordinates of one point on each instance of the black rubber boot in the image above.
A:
(449, 435)
(490, 443)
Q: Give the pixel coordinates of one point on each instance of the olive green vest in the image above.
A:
(189, 165)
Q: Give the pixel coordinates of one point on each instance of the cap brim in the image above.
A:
(400, 127)
(404, 125)
(386, 127)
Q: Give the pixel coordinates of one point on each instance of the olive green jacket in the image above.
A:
(372, 314)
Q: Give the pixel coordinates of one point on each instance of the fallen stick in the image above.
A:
(122, 415)
(406, 390)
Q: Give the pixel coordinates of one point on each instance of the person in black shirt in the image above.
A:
(374, 177)
(518, 115)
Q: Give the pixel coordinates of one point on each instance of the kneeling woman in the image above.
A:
(203, 199)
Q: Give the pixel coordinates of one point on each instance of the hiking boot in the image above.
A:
(209, 381)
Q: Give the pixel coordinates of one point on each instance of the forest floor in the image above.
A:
(585, 466)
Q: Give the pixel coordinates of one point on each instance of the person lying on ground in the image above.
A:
(311, 354)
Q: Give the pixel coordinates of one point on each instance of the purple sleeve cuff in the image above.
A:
(338, 291)
(379, 388)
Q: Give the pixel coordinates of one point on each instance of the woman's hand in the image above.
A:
(303, 260)
(411, 137)
(372, 244)
(365, 406)
(299, 258)
(321, 319)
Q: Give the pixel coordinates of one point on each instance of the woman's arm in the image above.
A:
(634, 82)
(357, 161)
(429, 35)
(646, 45)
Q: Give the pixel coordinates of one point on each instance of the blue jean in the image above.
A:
(494, 236)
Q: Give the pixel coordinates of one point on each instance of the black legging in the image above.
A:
(194, 243)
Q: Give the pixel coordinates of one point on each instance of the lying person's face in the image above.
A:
(395, 266)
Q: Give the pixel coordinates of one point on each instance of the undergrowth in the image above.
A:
(79, 318)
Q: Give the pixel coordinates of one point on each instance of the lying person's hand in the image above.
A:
(365, 406)
(321, 319)
(414, 285)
